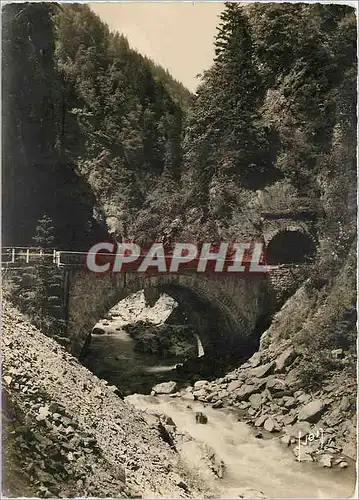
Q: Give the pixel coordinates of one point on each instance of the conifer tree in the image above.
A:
(44, 236)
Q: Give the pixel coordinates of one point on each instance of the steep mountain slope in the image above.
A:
(89, 125)
(64, 441)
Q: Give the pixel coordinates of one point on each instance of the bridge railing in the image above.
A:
(73, 259)
(22, 256)
(11, 256)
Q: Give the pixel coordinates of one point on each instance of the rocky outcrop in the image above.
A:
(266, 392)
(74, 436)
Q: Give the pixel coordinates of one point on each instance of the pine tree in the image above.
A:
(44, 236)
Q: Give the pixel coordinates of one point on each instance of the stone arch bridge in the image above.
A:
(227, 311)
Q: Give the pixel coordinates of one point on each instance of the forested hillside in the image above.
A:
(101, 138)
(89, 125)
(99, 142)
(277, 113)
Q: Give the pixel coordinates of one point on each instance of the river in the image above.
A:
(261, 464)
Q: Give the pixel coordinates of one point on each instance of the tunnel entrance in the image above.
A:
(290, 247)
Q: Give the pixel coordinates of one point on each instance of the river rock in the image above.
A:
(218, 466)
(255, 360)
(231, 376)
(214, 396)
(98, 331)
(325, 460)
(245, 391)
(232, 386)
(200, 384)
(168, 421)
(179, 481)
(344, 403)
(335, 417)
(302, 455)
(289, 402)
(289, 419)
(298, 429)
(312, 411)
(303, 398)
(165, 387)
(256, 400)
(292, 379)
(250, 493)
(260, 420)
(285, 359)
(201, 418)
(243, 405)
(188, 396)
(263, 370)
(201, 394)
(218, 404)
(270, 424)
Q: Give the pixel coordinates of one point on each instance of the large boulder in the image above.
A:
(299, 429)
(98, 331)
(263, 370)
(165, 388)
(200, 384)
(232, 386)
(245, 391)
(312, 411)
(285, 359)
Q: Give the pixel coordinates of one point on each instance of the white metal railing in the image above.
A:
(25, 255)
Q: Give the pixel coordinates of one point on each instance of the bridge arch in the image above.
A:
(223, 309)
(290, 246)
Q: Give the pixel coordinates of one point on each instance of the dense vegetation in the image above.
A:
(88, 124)
(103, 140)
(164, 341)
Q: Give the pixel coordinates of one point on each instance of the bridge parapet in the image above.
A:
(225, 308)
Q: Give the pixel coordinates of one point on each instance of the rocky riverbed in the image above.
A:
(267, 394)
(69, 433)
(237, 464)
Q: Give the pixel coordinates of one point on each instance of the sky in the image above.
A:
(177, 35)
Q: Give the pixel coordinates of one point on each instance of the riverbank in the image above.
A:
(69, 434)
(72, 434)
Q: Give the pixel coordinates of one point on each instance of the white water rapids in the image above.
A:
(260, 464)
(264, 465)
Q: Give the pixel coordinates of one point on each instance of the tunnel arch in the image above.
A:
(290, 247)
